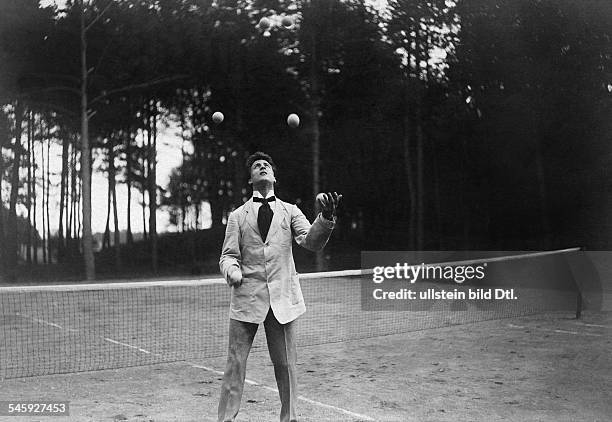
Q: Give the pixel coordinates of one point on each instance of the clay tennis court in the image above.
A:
(449, 361)
(544, 368)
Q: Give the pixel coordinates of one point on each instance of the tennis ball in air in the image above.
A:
(293, 120)
(264, 23)
(217, 117)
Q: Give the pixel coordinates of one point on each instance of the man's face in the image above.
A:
(261, 171)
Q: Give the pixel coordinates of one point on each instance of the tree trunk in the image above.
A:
(145, 234)
(315, 140)
(465, 198)
(4, 140)
(48, 187)
(541, 178)
(153, 184)
(29, 198)
(421, 51)
(238, 85)
(88, 256)
(437, 198)
(71, 204)
(197, 215)
(420, 234)
(216, 211)
(106, 237)
(44, 191)
(183, 155)
(409, 173)
(34, 198)
(79, 199)
(128, 182)
(63, 181)
(545, 241)
(113, 192)
(239, 178)
(13, 252)
(182, 198)
(144, 187)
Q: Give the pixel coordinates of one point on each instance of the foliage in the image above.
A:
(499, 107)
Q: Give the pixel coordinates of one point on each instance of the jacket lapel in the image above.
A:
(280, 213)
(251, 217)
(277, 218)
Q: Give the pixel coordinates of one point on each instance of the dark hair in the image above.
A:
(259, 156)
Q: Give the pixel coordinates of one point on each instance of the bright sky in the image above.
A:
(169, 156)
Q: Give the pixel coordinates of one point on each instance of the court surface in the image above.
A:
(440, 361)
(534, 368)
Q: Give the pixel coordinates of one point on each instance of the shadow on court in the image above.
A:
(545, 368)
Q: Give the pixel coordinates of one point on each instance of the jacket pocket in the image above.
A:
(295, 290)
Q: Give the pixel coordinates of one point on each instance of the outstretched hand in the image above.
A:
(329, 204)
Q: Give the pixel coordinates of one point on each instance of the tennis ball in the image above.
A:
(293, 120)
(264, 23)
(287, 21)
(322, 198)
(217, 117)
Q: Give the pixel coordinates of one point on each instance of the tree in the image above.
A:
(535, 74)
(418, 30)
(22, 30)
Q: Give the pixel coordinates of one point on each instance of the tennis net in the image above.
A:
(73, 328)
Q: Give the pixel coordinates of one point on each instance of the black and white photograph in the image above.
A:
(305, 210)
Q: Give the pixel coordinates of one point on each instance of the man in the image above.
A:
(257, 262)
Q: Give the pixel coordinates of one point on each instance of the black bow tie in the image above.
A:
(262, 200)
(264, 216)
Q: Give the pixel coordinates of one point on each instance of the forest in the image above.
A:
(445, 124)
